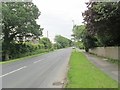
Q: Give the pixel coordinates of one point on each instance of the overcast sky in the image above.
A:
(57, 15)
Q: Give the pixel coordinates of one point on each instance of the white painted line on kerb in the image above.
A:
(13, 71)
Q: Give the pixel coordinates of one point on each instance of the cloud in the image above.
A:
(57, 15)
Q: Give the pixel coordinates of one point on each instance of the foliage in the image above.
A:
(56, 46)
(88, 41)
(79, 44)
(82, 38)
(62, 42)
(24, 49)
(102, 19)
(78, 32)
(0, 45)
(46, 42)
(18, 20)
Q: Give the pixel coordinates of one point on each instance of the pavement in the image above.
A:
(108, 68)
(45, 71)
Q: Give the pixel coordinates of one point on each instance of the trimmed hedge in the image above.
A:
(18, 50)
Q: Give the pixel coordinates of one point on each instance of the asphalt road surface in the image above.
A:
(45, 71)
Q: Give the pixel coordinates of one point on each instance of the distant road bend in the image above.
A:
(45, 71)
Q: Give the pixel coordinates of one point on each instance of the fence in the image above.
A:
(108, 52)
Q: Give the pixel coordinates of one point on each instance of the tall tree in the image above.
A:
(78, 32)
(82, 37)
(62, 41)
(18, 19)
(103, 20)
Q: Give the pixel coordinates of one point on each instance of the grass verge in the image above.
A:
(83, 74)
(23, 58)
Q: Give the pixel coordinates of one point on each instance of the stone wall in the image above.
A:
(108, 52)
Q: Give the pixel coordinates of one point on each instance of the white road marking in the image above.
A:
(37, 61)
(13, 71)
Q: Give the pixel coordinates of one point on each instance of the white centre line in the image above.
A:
(37, 61)
(13, 71)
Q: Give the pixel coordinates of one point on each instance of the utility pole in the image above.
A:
(47, 34)
(47, 39)
(73, 29)
(73, 23)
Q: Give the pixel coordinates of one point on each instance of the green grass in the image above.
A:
(83, 74)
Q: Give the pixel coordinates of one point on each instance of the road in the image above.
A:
(45, 71)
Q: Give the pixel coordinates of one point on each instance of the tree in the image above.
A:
(46, 42)
(102, 20)
(56, 46)
(78, 32)
(62, 42)
(82, 37)
(18, 19)
(79, 44)
(88, 41)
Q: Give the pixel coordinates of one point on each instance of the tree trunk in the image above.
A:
(86, 49)
(6, 43)
(6, 55)
(6, 48)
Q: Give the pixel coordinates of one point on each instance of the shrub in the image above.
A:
(24, 49)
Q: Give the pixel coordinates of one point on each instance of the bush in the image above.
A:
(41, 46)
(18, 50)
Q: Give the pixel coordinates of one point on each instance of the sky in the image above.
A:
(57, 16)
